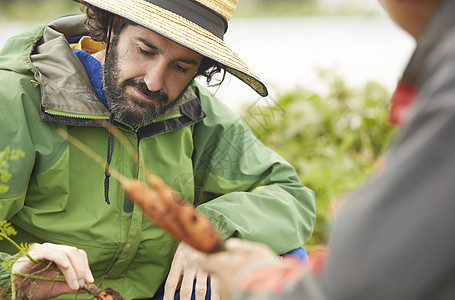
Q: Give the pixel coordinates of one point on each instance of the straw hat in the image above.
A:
(195, 24)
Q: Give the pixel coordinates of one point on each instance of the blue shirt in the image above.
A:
(95, 73)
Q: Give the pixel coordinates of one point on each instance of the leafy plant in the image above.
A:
(334, 140)
(6, 231)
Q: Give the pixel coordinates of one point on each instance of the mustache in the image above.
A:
(161, 96)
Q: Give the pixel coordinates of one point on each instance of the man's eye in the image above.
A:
(144, 52)
(180, 69)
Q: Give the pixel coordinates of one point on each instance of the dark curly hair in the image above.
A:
(98, 21)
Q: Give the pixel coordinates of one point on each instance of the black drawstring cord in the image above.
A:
(110, 150)
(110, 136)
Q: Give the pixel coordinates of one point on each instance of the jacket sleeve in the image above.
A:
(245, 189)
(16, 105)
(16, 123)
(394, 236)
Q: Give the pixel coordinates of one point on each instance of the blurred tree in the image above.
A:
(332, 140)
(36, 10)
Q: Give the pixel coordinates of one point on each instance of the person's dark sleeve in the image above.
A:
(394, 238)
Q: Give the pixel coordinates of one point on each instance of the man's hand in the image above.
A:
(71, 261)
(227, 265)
(184, 270)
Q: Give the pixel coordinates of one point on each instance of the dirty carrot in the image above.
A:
(150, 203)
(196, 229)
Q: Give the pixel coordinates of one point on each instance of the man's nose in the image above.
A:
(155, 77)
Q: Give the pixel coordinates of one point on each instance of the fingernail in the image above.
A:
(74, 285)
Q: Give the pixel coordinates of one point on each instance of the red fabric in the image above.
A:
(401, 100)
(317, 259)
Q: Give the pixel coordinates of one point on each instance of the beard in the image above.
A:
(125, 107)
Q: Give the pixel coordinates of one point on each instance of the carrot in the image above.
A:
(150, 203)
(172, 214)
(196, 229)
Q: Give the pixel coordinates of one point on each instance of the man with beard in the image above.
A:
(133, 64)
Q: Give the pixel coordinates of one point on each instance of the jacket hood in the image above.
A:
(65, 85)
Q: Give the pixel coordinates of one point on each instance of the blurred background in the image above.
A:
(330, 66)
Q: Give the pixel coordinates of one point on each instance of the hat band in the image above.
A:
(197, 13)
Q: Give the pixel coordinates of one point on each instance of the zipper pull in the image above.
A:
(34, 83)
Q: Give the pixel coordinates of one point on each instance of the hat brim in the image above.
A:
(183, 32)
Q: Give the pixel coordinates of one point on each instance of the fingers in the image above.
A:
(186, 289)
(200, 287)
(238, 254)
(72, 262)
(191, 280)
(172, 283)
(184, 270)
(214, 289)
(224, 266)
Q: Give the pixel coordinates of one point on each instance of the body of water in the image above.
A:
(286, 52)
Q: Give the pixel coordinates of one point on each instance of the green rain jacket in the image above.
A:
(202, 150)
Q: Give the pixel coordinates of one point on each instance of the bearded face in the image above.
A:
(145, 74)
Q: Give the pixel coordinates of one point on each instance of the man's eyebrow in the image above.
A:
(189, 61)
(153, 47)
